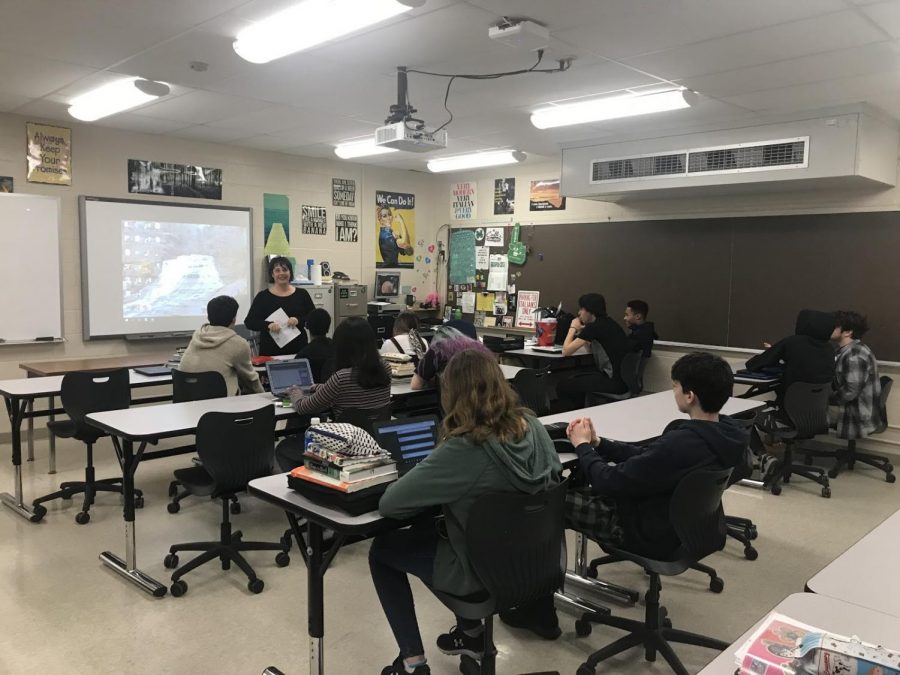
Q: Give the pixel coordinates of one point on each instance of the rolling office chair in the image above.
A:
(848, 457)
(533, 387)
(632, 371)
(696, 515)
(83, 393)
(806, 406)
(516, 545)
(364, 418)
(195, 387)
(235, 448)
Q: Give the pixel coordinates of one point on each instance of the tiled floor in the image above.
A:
(61, 610)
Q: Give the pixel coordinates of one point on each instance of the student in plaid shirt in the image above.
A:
(856, 385)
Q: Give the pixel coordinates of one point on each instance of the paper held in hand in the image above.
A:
(287, 333)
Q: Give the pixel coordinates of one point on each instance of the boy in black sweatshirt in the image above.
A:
(631, 508)
(641, 333)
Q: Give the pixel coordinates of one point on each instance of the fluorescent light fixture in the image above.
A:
(476, 160)
(311, 23)
(612, 108)
(362, 148)
(115, 97)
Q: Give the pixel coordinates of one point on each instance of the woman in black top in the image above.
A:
(295, 302)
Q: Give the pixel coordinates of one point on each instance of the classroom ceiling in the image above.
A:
(746, 58)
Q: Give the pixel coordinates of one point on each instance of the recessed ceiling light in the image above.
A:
(612, 108)
(476, 160)
(115, 97)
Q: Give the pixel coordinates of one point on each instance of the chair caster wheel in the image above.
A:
(468, 665)
(717, 584)
(173, 489)
(256, 586)
(585, 669)
(138, 502)
(889, 468)
(826, 492)
(66, 495)
(170, 562)
(751, 553)
(178, 588)
(286, 541)
(38, 514)
(173, 507)
(776, 490)
(235, 508)
(82, 517)
(752, 534)
(283, 559)
(583, 627)
(891, 478)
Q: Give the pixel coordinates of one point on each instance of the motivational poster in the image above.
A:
(462, 205)
(346, 227)
(312, 220)
(48, 154)
(343, 192)
(504, 196)
(545, 196)
(276, 224)
(395, 223)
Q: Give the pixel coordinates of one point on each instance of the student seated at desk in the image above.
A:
(593, 328)
(642, 333)
(449, 339)
(361, 380)
(320, 350)
(857, 389)
(406, 338)
(627, 503)
(490, 444)
(216, 347)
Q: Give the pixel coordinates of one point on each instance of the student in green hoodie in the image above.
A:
(490, 444)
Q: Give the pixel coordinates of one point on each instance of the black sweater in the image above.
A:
(641, 338)
(643, 478)
(298, 304)
(320, 352)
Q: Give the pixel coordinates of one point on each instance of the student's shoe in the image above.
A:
(539, 617)
(770, 468)
(457, 642)
(398, 667)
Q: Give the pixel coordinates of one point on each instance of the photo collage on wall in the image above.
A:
(174, 180)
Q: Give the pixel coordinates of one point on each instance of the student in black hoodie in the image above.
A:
(632, 508)
(642, 333)
(320, 350)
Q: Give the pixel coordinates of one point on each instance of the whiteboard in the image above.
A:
(31, 298)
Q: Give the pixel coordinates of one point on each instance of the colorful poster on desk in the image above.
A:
(395, 215)
(276, 224)
(48, 154)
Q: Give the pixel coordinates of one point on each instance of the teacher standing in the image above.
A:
(295, 302)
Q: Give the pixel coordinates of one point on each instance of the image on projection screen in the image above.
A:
(162, 278)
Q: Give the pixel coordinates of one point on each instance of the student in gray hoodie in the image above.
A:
(490, 444)
(215, 346)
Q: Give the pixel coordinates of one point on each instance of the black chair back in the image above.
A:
(83, 393)
(532, 386)
(197, 386)
(632, 372)
(516, 544)
(886, 384)
(695, 511)
(806, 404)
(364, 418)
(236, 447)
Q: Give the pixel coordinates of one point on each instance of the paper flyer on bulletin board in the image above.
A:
(526, 303)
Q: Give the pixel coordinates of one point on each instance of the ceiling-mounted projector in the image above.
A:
(411, 139)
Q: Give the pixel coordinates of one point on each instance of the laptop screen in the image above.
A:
(408, 440)
(286, 374)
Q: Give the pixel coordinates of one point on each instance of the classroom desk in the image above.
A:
(758, 385)
(19, 396)
(821, 612)
(142, 425)
(401, 387)
(866, 573)
(539, 358)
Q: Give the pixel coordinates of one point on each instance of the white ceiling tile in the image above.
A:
(51, 110)
(200, 107)
(135, 122)
(261, 142)
(201, 132)
(267, 120)
(839, 30)
(34, 77)
(9, 102)
(886, 15)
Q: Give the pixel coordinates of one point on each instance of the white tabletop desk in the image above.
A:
(866, 573)
(402, 387)
(826, 613)
(537, 358)
(19, 395)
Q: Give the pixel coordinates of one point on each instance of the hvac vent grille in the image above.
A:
(637, 167)
(769, 155)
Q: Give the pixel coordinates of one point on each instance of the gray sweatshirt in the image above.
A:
(224, 351)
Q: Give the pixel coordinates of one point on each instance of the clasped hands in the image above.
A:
(581, 430)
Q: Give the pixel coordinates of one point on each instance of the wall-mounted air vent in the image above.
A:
(788, 153)
(638, 167)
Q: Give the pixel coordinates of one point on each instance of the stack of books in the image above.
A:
(401, 364)
(344, 472)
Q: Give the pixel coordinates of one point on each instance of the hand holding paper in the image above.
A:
(285, 332)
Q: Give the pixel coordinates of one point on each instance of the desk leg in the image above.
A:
(128, 568)
(16, 408)
(315, 575)
(31, 430)
(52, 467)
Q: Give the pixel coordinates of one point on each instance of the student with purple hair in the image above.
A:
(449, 339)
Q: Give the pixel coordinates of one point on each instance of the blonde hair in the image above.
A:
(478, 402)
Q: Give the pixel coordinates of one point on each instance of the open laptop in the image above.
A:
(286, 374)
(409, 440)
(550, 349)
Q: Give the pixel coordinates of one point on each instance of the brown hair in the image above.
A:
(478, 402)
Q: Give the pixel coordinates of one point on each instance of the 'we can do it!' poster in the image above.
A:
(395, 216)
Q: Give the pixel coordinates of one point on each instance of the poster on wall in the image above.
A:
(343, 192)
(346, 227)
(6, 184)
(395, 213)
(312, 220)
(462, 204)
(504, 196)
(526, 303)
(48, 154)
(545, 196)
(276, 224)
(174, 180)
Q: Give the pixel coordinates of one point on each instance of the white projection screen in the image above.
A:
(149, 268)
